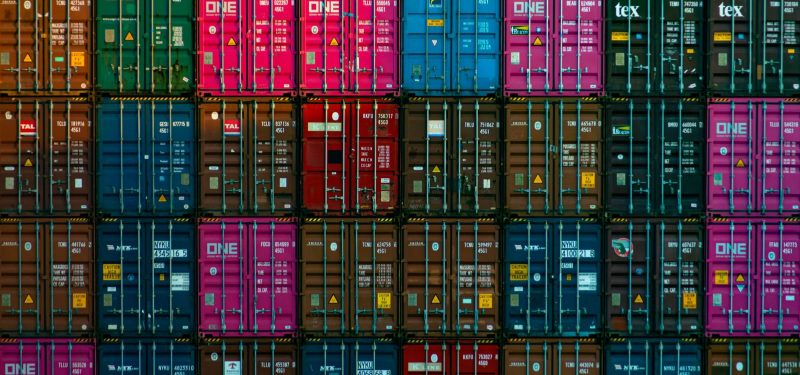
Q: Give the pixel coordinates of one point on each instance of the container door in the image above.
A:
(326, 49)
(376, 66)
(172, 158)
(375, 252)
(631, 65)
(528, 294)
(680, 53)
(119, 45)
(570, 357)
(676, 357)
(731, 358)
(578, 158)
(22, 248)
(527, 147)
(66, 358)
(223, 157)
(477, 158)
(168, 358)
(578, 47)
(469, 358)
(731, 271)
(630, 357)
(426, 46)
(67, 60)
(577, 307)
(130, 355)
(528, 42)
(426, 162)
(630, 158)
(779, 172)
(274, 157)
(70, 291)
(329, 357)
(475, 67)
(369, 356)
(121, 262)
(272, 283)
(779, 261)
(476, 275)
(522, 359)
(70, 152)
(22, 155)
(628, 273)
(777, 358)
(326, 251)
(223, 270)
(122, 158)
(375, 167)
(678, 272)
(426, 358)
(732, 152)
(271, 47)
(779, 71)
(326, 157)
(172, 278)
(221, 47)
(171, 44)
(228, 357)
(732, 47)
(277, 358)
(680, 139)
(20, 63)
(425, 283)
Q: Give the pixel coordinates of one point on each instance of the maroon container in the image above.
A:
(47, 356)
(753, 167)
(451, 357)
(752, 278)
(247, 269)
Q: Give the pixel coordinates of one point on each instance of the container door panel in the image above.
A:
(376, 163)
(119, 43)
(779, 68)
(274, 157)
(426, 159)
(577, 307)
(679, 277)
(729, 277)
(578, 56)
(21, 156)
(223, 147)
(476, 42)
(578, 157)
(628, 299)
(71, 272)
(681, 28)
(630, 158)
(426, 44)
(732, 41)
(70, 153)
(121, 160)
(22, 247)
(173, 158)
(272, 281)
(630, 63)
(171, 41)
(325, 58)
(528, 296)
(168, 358)
(20, 64)
(779, 273)
(121, 263)
(680, 140)
(271, 48)
(67, 61)
(528, 43)
(476, 166)
(779, 168)
(375, 66)
(528, 179)
(326, 156)
(375, 272)
(172, 278)
(732, 152)
(475, 261)
(223, 46)
(425, 283)
(223, 268)
(324, 297)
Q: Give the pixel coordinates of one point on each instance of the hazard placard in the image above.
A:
(333, 300)
(129, 36)
(537, 41)
(518, 272)
(27, 58)
(537, 179)
(79, 300)
(721, 277)
(28, 299)
(28, 163)
(384, 300)
(689, 300)
(231, 42)
(485, 301)
(334, 42)
(112, 272)
(587, 180)
(740, 163)
(436, 169)
(739, 278)
(435, 300)
(77, 59)
(162, 198)
(638, 299)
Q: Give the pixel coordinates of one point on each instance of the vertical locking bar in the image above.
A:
(357, 310)
(374, 278)
(649, 170)
(241, 285)
(171, 159)
(342, 283)
(475, 280)
(547, 266)
(152, 194)
(343, 179)
(357, 160)
(139, 325)
(325, 299)
(528, 291)
(240, 115)
(375, 183)
(477, 146)
(459, 146)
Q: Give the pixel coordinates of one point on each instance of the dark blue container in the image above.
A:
(146, 277)
(451, 47)
(146, 357)
(349, 356)
(552, 278)
(146, 158)
(642, 356)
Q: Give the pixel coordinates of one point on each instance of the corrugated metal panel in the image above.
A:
(653, 356)
(146, 357)
(552, 357)
(349, 356)
(742, 356)
(460, 357)
(47, 356)
(251, 357)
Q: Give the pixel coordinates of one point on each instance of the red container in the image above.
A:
(350, 156)
(47, 356)
(247, 269)
(462, 357)
(246, 47)
(753, 276)
(349, 47)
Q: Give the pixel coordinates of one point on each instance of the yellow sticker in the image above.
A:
(231, 42)
(537, 180)
(161, 277)
(690, 51)
(484, 301)
(638, 299)
(722, 36)
(333, 300)
(28, 299)
(162, 198)
(27, 58)
(129, 36)
(569, 277)
(435, 23)
(112, 272)
(790, 51)
(740, 278)
(28, 163)
(689, 300)
(518, 272)
(740, 163)
(334, 42)
(587, 180)
(619, 36)
(77, 59)
(79, 300)
(436, 169)
(435, 299)
(537, 42)
(721, 277)
(384, 300)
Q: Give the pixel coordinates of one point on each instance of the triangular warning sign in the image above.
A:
(435, 299)
(537, 180)
(537, 42)
(435, 42)
(231, 42)
(740, 287)
(436, 169)
(27, 58)
(28, 163)
(333, 300)
(162, 198)
(129, 36)
(638, 299)
(740, 278)
(334, 42)
(740, 163)
(28, 299)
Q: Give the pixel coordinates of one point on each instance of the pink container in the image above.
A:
(47, 357)
(753, 167)
(349, 47)
(753, 274)
(246, 47)
(247, 271)
(548, 51)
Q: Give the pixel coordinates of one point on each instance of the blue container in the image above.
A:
(146, 357)
(145, 158)
(349, 356)
(146, 277)
(552, 278)
(451, 47)
(641, 356)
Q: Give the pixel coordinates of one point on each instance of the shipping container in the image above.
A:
(552, 357)
(147, 280)
(553, 166)
(47, 356)
(351, 156)
(248, 157)
(653, 356)
(752, 163)
(248, 273)
(655, 48)
(763, 357)
(552, 278)
(553, 48)
(46, 277)
(246, 47)
(451, 166)
(46, 154)
(349, 277)
(752, 47)
(248, 357)
(145, 46)
(146, 157)
(349, 356)
(451, 47)
(349, 47)
(461, 357)
(451, 278)
(32, 65)
(654, 271)
(147, 356)
(655, 157)
(751, 281)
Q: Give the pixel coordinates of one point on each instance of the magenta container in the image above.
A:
(753, 168)
(351, 55)
(246, 47)
(548, 54)
(752, 280)
(47, 357)
(247, 270)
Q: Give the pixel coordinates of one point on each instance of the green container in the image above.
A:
(145, 46)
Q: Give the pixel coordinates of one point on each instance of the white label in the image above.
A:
(213, 168)
(514, 58)
(320, 126)
(232, 368)
(9, 183)
(282, 182)
(180, 282)
(519, 289)
(587, 282)
(436, 128)
(78, 183)
(111, 289)
(487, 183)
